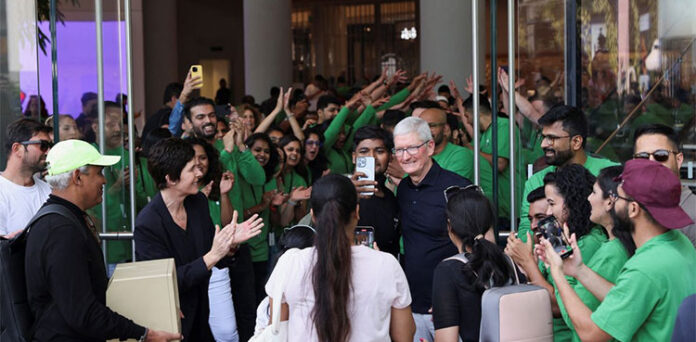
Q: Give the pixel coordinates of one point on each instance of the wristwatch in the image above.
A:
(144, 337)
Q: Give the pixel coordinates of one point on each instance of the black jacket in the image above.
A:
(66, 282)
(157, 236)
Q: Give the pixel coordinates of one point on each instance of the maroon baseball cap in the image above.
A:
(657, 189)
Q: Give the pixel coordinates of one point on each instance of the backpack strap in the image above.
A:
(54, 209)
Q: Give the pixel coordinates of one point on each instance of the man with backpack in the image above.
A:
(65, 274)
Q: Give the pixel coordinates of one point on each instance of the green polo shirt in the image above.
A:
(607, 263)
(244, 166)
(253, 195)
(588, 245)
(592, 164)
(486, 146)
(643, 304)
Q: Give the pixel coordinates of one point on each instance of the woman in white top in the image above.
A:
(336, 291)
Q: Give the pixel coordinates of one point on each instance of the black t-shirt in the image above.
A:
(382, 213)
(456, 302)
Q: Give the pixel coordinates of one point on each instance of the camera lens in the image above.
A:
(195, 69)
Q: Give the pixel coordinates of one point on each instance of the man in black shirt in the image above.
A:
(65, 272)
(380, 210)
(423, 218)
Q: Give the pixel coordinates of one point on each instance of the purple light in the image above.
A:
(77, 65)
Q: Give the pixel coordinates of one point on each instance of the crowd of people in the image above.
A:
(255, 200)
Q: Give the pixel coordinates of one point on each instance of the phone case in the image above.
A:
(366, 165)
(197, 70)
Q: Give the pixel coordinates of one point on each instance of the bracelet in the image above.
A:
(144, 337)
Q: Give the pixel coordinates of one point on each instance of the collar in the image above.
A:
(53, 199)
(430, 178)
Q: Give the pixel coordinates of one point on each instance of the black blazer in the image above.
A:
(157, 236)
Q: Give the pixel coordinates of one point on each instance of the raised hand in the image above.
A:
(365, 188)
(379, 102)
(245, 230)
(286, 102)
(229, 139)
(398, 77)
(280, 102)
(222, 241)
(226, 182)
(279, 198)
(300, 193)
(454, 90)
(573, 263)
(190, 84)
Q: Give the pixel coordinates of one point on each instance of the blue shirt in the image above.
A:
(175, 119)
(424, 229)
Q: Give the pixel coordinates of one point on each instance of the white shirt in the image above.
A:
(378, 283)
(19, 203)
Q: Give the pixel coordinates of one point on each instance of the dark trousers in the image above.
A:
(243, 293)
(260, 277)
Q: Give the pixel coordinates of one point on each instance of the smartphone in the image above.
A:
(553, 232)
(197, 70)
(364, 235)
(366, 165)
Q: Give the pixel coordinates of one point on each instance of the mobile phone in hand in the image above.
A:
(197, 70)
(364, 235)
(552, 231)
(366, 165)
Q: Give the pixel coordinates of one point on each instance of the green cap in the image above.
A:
(71, 154)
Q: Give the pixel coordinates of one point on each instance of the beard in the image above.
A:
(200, 131)
(438, 139)
(558, 158)
(623, 230)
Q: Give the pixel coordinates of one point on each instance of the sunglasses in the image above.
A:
(454, 189)
(44, 144)
(299, 226)
(659, 155)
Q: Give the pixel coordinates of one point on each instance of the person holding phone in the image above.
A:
(356, 293)
(566, 192)
(378, 205)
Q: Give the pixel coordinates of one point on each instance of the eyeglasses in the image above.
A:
(552, 138)
(412, 150)
(615, 195)
(659, 155)
(313, 142)
(44, 144)
(454, 189)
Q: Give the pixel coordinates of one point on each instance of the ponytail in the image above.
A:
(334, 200)
(470, 216)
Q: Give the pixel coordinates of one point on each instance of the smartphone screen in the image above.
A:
(553, 232)
(366, 165)
(364, 235)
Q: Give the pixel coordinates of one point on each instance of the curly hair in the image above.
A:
(574, 184)
(214, 168)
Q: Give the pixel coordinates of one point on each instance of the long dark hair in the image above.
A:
(270, 167)
(470, 216)
(608, 184)
(334, 200)
(320, 163)
(300, 168)
(574, 183)
(214, 169)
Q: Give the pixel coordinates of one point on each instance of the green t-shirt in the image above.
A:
(592, 164)
(117, 202)
(149, 187)
(486, 146)
(215, 213)
(643, 304)
(244, 166)
(588, 245)
(460, 160)
(252, 196)
(607, 263)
